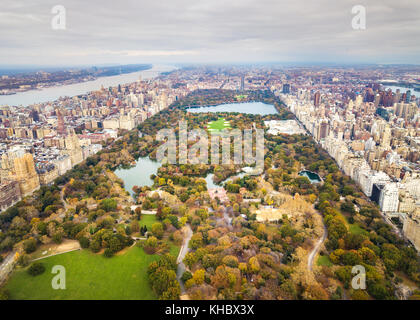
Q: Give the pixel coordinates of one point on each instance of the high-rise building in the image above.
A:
(34, 115)
(388, 200)
(61, 127)
(9, 194)
(406, 111)
(411, 229)
(386, 137)
(317, 99)
(286, 88)
(368, 179)
(73, 149)
(323, 131)
(408, 96)
(19, 165)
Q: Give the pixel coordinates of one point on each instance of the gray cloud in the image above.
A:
(129, 31)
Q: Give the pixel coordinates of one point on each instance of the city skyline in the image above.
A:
(197, 150)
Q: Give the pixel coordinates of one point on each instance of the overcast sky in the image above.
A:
(211, 31)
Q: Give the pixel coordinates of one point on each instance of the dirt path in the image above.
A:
(64, 247)
(62, 199)
(7, 266)
(182, 253)
(317, 247)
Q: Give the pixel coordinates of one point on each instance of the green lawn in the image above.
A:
(324, 261)
(356, 229)
(148, 220)
(241, 97)
(218, 125)
(89, 276)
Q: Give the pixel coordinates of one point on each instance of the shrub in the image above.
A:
(186, 276)
(36, 269)
(151, 245)
(4, 295)
(29, 245)
(230, 261)
(95, 245)
(57, 237)
(23, 260)
(84, 242)
(157, 230)
(108, 253)
(108, 205)
(134, 226)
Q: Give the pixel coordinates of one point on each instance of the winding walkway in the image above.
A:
(182, 253)
(6, 267)
(317, 247)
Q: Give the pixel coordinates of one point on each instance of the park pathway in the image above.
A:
(182, 253)
(6, 267)
(317, 248)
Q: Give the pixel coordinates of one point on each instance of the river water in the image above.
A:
(53, 93)
(403, 90)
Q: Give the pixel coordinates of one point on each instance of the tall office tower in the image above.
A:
(242, 83)
(286, 88)
(377, 100)
(317, 99)
(370, 95)
(9, 194)
(406, 111)
(34, 115)
(350, 106)
(323, 129)
(61, 127)
(411, 228)
(388, 199)
(387, 98)
(386, 137)
(408, 96)
(397, 96)
(358, 102)
(18, 165)
(73, 149)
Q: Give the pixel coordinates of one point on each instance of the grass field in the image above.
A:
(240, 97)
(89, 276)
(324, 261)
(218, 125)
(354, 228)
(148, 220)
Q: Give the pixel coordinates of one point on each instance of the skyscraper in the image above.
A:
(388, 199)
(408, 96)
(317, 99)
(19, 165)
(35, 115)
(61, 127)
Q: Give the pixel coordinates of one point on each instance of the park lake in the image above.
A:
(138, 175)
(312, 176)
(258, 108)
